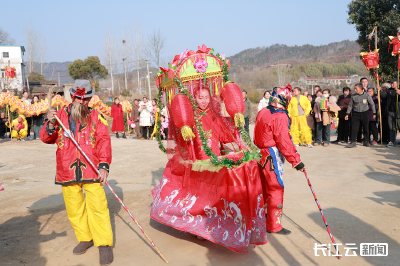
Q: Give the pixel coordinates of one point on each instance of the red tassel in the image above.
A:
(377, 76)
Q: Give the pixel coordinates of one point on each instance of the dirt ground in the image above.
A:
(358, 190)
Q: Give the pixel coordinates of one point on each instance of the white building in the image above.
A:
(336, 80)
(13, 56)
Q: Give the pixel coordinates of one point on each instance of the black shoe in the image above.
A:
(117, 135)
(366, 144)
(82, 247)
(106, 255)
(351, 145)
(123, 136)
(335, 142)
(283, 231)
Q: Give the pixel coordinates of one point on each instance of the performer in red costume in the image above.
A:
(211, 185)
(271, 135)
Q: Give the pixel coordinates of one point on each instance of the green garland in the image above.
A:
(214, 159)
(158, 133)
(222, 161)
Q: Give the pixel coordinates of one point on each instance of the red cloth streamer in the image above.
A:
(233, 99)
(376, 76)
(182, 111)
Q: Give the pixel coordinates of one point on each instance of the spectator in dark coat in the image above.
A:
(344, 125)
(372, 120)
(3, 127)
(247, 112)
(385, 126)
(135, 116)
(392, 110)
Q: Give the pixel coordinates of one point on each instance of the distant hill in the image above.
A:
(50, 71)
(265, 57)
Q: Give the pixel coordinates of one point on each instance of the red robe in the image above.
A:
(225, 206)
(94, 139)
(118, 118)
(271, 135)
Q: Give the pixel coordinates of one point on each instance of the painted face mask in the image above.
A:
(281, 98)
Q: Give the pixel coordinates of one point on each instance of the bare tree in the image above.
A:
(124, 60)
(155, 46)
(110, 55)
(42, 51)
(282, 74)
(136, 46)
(32, 45)
(5, 38)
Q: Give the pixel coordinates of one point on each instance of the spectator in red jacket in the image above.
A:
(118, 118)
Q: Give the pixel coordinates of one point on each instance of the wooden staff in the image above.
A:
(127, 119)
(377, 79)
(9, 117)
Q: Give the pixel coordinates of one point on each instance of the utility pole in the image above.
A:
(123, 60)
(59, 83)
(126, 81)
(148, 78)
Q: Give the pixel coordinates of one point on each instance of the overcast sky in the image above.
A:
(75, 29)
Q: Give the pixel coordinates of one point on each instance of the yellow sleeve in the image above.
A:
(305, 104)
(25, 129)
(292, 107)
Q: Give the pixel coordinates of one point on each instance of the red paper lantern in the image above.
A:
(10, 72)
(182, 111)
(233, 99)
(371, 59)
(234, 104)
(396, 45)
(182, 114)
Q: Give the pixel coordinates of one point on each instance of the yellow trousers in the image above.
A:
(90, 218)
(15, 135)
(300, 131)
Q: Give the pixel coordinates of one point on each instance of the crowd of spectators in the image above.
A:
(355, 115)
(20, 127)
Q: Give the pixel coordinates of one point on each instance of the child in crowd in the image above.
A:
(164, 127)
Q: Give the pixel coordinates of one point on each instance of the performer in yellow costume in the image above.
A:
(299, 108)
(19, 128)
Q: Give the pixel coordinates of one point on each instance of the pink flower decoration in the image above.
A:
(235, 157)
(209, 143)
(201, 65)
(223, 56)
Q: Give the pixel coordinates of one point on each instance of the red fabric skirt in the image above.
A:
(118, 124)
(225, 207)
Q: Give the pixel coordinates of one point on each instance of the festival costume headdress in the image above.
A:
(189, 73)
(81, 89)
(281, 97)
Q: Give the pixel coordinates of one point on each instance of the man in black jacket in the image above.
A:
(360, 101)
(392, 109)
